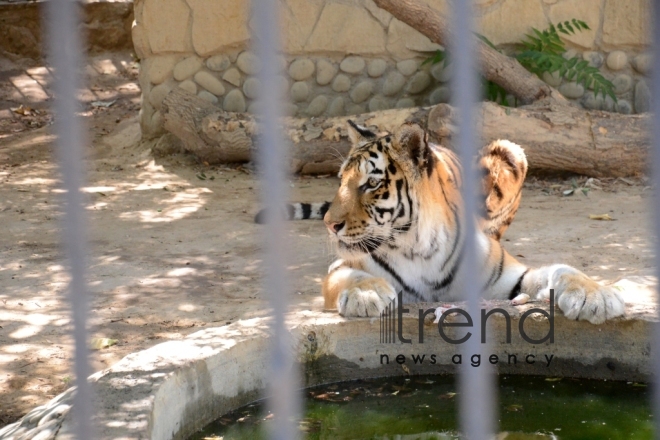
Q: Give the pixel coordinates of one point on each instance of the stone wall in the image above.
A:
(343, 57)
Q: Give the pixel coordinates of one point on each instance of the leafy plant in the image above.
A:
(543, 52)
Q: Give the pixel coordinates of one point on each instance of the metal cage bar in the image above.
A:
(475, 385)
(65, 50)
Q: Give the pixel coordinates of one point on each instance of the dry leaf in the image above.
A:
(100, 343)
(600, 217)
(602, 130)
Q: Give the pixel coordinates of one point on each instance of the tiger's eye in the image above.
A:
(373, 182)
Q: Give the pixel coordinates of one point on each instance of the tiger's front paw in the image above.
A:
(367, 297)
(581, 298)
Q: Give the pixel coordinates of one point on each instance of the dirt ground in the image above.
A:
(172, 250)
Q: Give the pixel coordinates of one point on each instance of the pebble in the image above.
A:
(187, 67)
(290, 109)
(407, 67)
(394, 82)
(354, 109)
(210, 82)
(341, 83)
(642, 97)
(233, 77)
(591, 102)
(218, 63)
(189, 86)
(594, 58)
(571, 90)
(617, 60)
(251, 88)
(317, 106)
(301, 69)
(248, 63)
(208, 96)
(441, 72)
(336, 107)
(418, 82)
(552, 79)
(234, 101)
(362, 91)
(642, 63)
(378, 103)
(376, 68)
(159, 93)
(325, 71)
(160, 68)
(440, 95)
(622, 83)
(352, 65)
(405, 103)
(299, 91)
(623, 106)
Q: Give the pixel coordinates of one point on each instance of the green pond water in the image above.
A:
(425, 407)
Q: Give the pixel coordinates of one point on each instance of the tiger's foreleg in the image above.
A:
(354, 292)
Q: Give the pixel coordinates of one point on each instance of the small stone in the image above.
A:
(407, 67)
(617, 60)
(394, 82)
(569, 54)
(405, 103)
(571, 90)
(376, 68)
(189, 86)
(341, 83)
(378, 103)
(440, 95)
(552, 79)
(160, 68)
(290, 109)
(251, 87)
(608, 104)
(218, 63)
(441, 72)
(254, 108)
(210, 82)
(301, 69)
(234, 101)
(299, 91)
(642, 64)
(317, 106)
(622, 83)
(325, 71)
(354, 109)
(336, 107)
(233, 77)
(594, 58)
(187, 67)
(623, 106)
(642, 97)
(159, 93)
(248, 63)
(208, 96)
(418, 83)
(352, 65)
(591, 102)
(362, 91)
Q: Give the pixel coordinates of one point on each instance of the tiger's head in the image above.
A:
(378, 200)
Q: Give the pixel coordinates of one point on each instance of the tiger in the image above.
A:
(396, 220)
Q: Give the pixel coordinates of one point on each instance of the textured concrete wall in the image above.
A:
(348, 57)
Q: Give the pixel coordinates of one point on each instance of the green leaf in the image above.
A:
(570, 28)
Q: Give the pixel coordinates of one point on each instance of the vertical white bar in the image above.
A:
(272, 161)
(475, 384)
(655, 156)
(62, 18)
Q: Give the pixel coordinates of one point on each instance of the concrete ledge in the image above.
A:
(173, 389)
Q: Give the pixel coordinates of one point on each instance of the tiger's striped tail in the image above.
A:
(298, 211)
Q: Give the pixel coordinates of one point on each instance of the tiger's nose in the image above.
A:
(335, 227)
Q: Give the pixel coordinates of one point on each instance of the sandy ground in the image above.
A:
(170, 252)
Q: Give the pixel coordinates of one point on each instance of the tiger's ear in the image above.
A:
(359, 135)
(412, 141)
